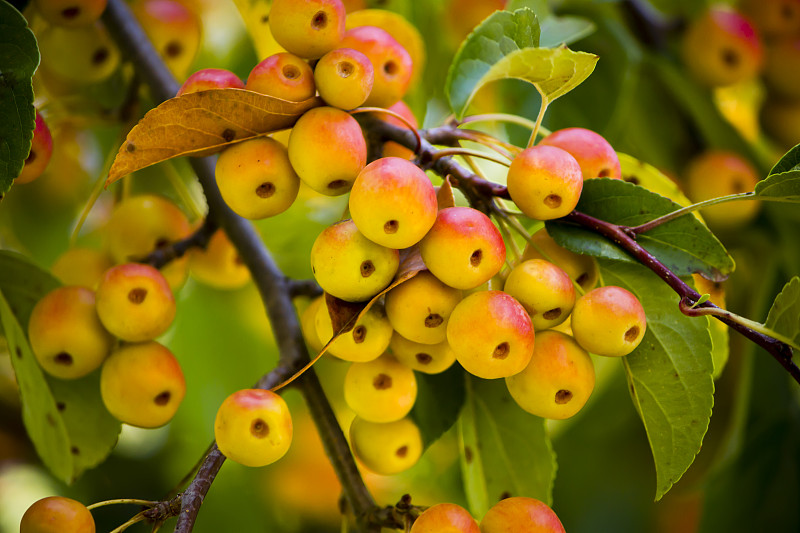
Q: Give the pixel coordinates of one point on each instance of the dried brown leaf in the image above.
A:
(445, 196)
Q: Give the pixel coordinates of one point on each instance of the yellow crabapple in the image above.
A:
(386, 448)
(609, 321)
(381, 390)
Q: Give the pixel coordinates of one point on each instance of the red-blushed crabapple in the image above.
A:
(381, 390)
(66, 335)
(57, 514)
(426, 358)
(591, 150)
(582, 269)
(39, 156)
(558, 379)
(308, 29)
(773, 18)
(70, 13)
(491, 334)
(134, 302)
(219, 265)
(544, 290)
(386, 448)
(721, 47)
(609, 321)
(142, 384)
(393, 202)
(174, 29)
(349, 266)
(327, 150)
(283, 76)
(418, 308)
(253, 427)
(445, 518)
(545, 182)
(367, 341)
(519, 513)
(391, 148)
(256, 179)
(210, 78)
(344, 78)
(391, 63)
(463, 248)
(82, 55)
(81, 266)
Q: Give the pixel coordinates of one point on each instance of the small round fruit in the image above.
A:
(349, 266)
(142, 384)
(66, 335)
(388, 448)
(445, 518)
(219, 265)
(558, 380)
(256, 179)
(368, 339)
(81, 266)
(544, 290)
(518, 513)
(70, 13)
(591, 150)
(308, 29)
(382, 390)
(418, 308)
(210, 78)
(308, 324)
(253, 427)
(582, 269)
(84, 55)
(545, 182)
(391, 148)
(393, 202)
(39, 156)
(57, 514)
(344, 78)
(609, 321)
(426, 358)
(174, 29)
(327, 150)
(491, 334)
(463, 248)
(134, 302)
(773, 18)
(283, 76)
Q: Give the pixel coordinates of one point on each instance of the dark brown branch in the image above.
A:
(162, 255)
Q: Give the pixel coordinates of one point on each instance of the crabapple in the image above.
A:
(308, 324)
(519, 513)
(381, 390)
(308, 29)
(81, 266)
(366, 341)
(219, 264)
(70, 13)
(582, 269)
(491, 334)
(253, 427)
(174, 29)
(39, 156)
(81, 55)
(57, 514)
(591, 150)
(545, 182)
(608, 321)
(773, 18)
(418, 308)
(544, 290)
(386, 448)
(344, 78)
(210, 78)
(283, 76)
(391, 148)
(426, 358)
(445, 518)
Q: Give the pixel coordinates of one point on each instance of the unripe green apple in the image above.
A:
(544, 290)
(463, 248)
(382, 390)
(210, 78)
(386, 448)
(427, 358)
(349, 266)
(491, 334)
(393, 202)
(545, 182)
(518, 514)
(344, 78)
(582, 269)
(591, 150)
(283, 76)
(558, 380)
(39, 156)
(57, 514)
(253, 427)
(308, 29)
(609, 321)
(445, 518)
(418, 308)
(367, 341)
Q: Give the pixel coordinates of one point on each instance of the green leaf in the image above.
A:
(684, 245)
(440, 398)
(504, 450)
(785, 185)
(720, 343)
(564, 30)
(669, 373)
(501, 34)
(19, 58)
(67, 421)
(647, 176)
(784, 316)
(789, 161)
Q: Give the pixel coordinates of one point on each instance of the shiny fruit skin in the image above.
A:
(253, 427)
(256, 179)
(327, 150)
(393, 203)
(544, 290)
(142, 384)
(591, 150)
(386, 448)
(558, 380)
(491, 334)
(463, 248)
(219, 264)
(308, 29)
(308, 324)
(545, 182)
(391, 148)
(344, 78)
(71, 13)
(92, 56)
(382, 390)
(419, 308)
(367, 341)
(445, 518)
(81, 266)
(174, 29)
(210, 78)
(283, 76)
(391, 63)
(608, 321)
(426, 358)
(349, 266)
(518, 514)
(57, 514)
(134, 302)
(66, 335)
(39, 156)
(582, 269)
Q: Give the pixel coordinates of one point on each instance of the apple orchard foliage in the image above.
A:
(503, 449)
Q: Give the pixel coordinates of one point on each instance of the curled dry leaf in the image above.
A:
(444, 194)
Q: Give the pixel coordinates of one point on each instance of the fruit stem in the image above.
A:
(538, 124)
(647, 226)
(444, 152)
(136, 518)
(500, 117)
(134, 501)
